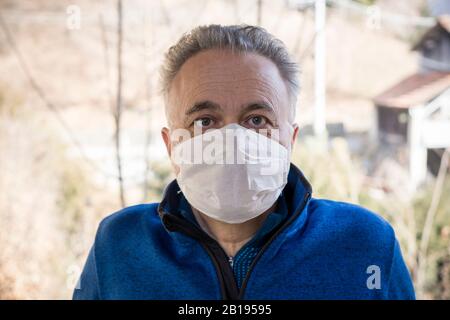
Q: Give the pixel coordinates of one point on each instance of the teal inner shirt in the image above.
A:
(241, 262)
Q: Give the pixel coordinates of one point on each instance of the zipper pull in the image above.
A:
(230, 261)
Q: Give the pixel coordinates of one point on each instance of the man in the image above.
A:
(239, 221)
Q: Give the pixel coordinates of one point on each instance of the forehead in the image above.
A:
(228, 78)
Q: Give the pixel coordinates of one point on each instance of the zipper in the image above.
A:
(266, 245)
(231, 261)
(224, 272)
(228, 286)
(222, 262)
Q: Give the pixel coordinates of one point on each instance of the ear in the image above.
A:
(294, 134)
(165, 133)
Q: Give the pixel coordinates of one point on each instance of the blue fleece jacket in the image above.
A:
(322, 250)
(243, 259)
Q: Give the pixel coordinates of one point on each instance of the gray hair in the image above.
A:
(237, 38)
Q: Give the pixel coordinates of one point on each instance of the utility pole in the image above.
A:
(258, 12)
(320, 69)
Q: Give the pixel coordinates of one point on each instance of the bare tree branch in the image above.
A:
(43, 96)
(148, 113)
(118, 113)
(429, 221)
(107, 63)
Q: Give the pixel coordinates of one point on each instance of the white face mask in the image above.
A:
(231, 174)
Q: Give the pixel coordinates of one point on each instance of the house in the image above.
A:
(434, 47)
(416, 111)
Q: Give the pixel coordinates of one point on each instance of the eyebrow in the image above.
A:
(209, 105)
(258, 106)
(203, 105)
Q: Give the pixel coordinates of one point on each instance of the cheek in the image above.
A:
(175, 168)
(286, 134)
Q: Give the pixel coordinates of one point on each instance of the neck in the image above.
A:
(231, 237)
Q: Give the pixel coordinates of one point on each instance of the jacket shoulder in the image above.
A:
(351, 221)
(129, 220)
(130, 214)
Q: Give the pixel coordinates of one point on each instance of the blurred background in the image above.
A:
(81, 113)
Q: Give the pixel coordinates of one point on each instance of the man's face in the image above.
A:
(215, 88)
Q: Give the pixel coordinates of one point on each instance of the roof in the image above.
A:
(444, 22)
(442, 27)
(414, 90)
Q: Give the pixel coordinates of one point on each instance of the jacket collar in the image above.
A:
(295, 192)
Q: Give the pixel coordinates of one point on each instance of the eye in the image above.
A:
(203, 122)
(256, 121)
